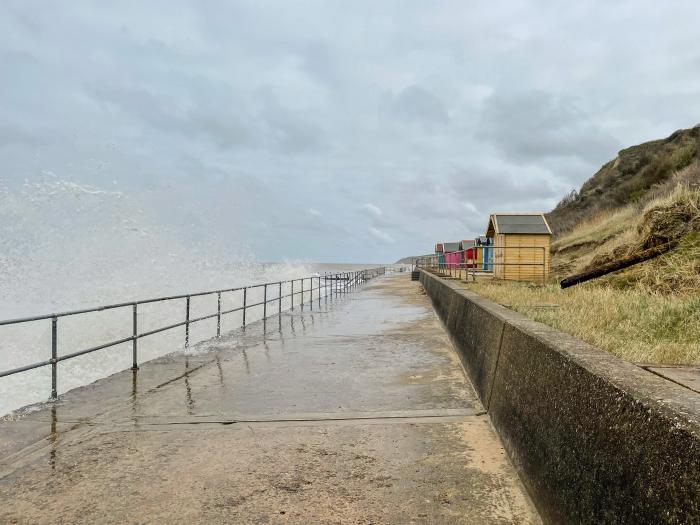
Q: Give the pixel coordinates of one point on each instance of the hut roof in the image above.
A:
(439, 248)
(523, 223)
(465, 245)
(451, 247)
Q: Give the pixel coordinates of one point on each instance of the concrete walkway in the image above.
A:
(355, 412)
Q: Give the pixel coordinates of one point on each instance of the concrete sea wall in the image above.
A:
(595, 439)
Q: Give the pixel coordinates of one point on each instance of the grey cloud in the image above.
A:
(230, 121)
(381, 235)
(416, 104)
(486, 186)
(157, 110)
(257, 122)
(12, 134)
(532, 126)
(290, 131)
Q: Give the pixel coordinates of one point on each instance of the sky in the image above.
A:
(334, 131)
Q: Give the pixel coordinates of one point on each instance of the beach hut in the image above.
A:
(451, 247)
(484, 253)
(468, 253)
(520, 245)
(452, 254)
(440, 252)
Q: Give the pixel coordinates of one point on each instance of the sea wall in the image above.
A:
(595, 439)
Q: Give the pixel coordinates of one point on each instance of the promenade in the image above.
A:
(357, 411)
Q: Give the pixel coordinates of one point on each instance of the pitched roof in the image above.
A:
(529, 223)
(451, 247)
(465, 245)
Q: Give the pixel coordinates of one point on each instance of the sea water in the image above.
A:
(67, 246)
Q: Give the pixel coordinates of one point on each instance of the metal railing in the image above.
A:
(472, 267)
(337, 283)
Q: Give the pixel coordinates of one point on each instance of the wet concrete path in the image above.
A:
(354, 412)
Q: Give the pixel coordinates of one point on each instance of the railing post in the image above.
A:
(134, 342)
(318, 279)
(302, 293)
(325, 285)
(187, 321)
(311, 292)
(54, 356)
(279, 307)
(245, 293)
(264, 302)
(544, 266)
(291, 295)
(218, 314)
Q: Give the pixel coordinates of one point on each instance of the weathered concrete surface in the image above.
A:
(687, 376)
(357, 412)
(596, 439)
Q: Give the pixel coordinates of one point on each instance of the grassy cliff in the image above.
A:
(636, 176)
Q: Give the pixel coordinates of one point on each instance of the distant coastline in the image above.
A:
(411, 259)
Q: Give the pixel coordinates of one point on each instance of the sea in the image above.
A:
(66, 246)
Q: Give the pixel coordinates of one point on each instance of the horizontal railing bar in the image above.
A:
(466, 265)
(162, 329)
(24, 368)
(203, 318)
(94, 349)
(102, 308)
(224, 312)
(255, 304)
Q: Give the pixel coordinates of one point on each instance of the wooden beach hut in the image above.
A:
(484, 253)
(468, 253)
(520, 246)
(440, 252)
(452, 255)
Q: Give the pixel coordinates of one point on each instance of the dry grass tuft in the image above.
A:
(675, 273)
(670, 219)
(674, 218)
(633, 324)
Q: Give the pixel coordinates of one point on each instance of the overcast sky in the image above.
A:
(338, 131)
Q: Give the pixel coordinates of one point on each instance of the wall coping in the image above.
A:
(644, 386)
